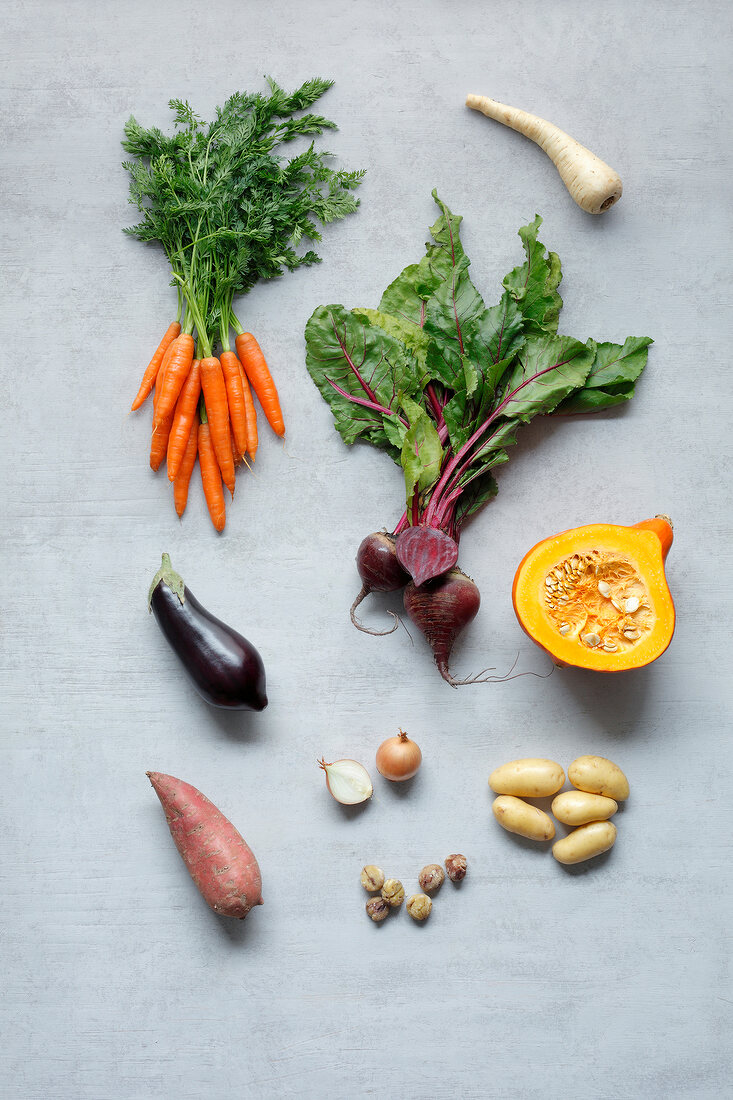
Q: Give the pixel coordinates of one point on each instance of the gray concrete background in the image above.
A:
(531, 981)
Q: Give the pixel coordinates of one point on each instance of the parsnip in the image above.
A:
(594, 186)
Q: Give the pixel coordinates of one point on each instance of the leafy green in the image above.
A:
(444, 257)
(534, 284)
(612, 377)
(451, 381)
(363, 373)
(225, 207)
(412, 337)
(546, 370)
(422, 452)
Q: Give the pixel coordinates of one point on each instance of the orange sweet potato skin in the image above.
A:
(219, 861)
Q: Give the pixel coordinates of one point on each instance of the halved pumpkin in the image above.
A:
(597, 597)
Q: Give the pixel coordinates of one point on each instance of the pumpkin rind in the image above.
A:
(645, 545)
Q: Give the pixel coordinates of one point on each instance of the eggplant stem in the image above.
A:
(365, 590)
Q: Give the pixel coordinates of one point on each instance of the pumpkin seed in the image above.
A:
(564, 628)
(631, 634)
(632, 604)
(604, 588)
(610, 647)
(591, 640)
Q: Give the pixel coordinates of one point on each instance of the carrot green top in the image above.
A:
(225, 207)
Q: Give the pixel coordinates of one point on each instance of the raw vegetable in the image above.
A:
(225, 668)
(597, 775)
(425, 553)
(591, 183)
(431, 878)
(393, 893)
(228, 211)
(380, 571)
(232, 373)
(211, 477)
(151, 371)
(377, 909)
(585, 843)
(260, 379)
(441, 609)
(372, 878)
(578, 808)
(456, 866)
(597, 597)
(398, 758)
(419, 906)
(219, 861)
(442, 384)
(517, 816)
(530, 778)
(183, 477)
(183, 419)
(348, 781)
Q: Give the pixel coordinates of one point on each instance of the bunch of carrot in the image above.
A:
(203, 407)
(228, 212)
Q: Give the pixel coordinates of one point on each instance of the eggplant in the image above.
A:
(226, 669)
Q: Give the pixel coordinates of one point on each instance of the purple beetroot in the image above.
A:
(441, 609)
(380, 571)
(426, 552)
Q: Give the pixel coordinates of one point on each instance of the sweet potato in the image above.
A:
(219, 862)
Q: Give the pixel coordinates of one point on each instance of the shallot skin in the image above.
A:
(441, 609)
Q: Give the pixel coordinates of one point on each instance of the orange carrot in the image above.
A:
(217, 414)
(159, 376)
(211, 478)
(256, 369)
(185, 469)
(176, 373)
(235, 396)
(151, 371)
(159, 441)
(250, 413)
(161, 430)
(183, 418)
(236, 453)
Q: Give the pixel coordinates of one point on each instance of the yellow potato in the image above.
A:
(579, 807)
(531, 778)
(519, 817)
(584, 843)
(599, 776)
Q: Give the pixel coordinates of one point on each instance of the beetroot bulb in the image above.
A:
(380, 571)
(441, 609)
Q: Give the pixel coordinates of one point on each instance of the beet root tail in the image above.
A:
(482, 678)
(365, 590)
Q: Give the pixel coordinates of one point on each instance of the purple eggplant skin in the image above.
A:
(226, 669)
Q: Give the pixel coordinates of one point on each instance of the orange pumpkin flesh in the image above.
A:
(597, 597)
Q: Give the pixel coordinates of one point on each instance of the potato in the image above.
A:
(578, 807)
(519, 817)
(599, 776)
(531, 778)
(584, 843)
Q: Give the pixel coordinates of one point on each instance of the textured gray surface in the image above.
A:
(610, 981)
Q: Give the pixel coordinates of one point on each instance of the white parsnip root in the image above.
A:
(594, 186)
